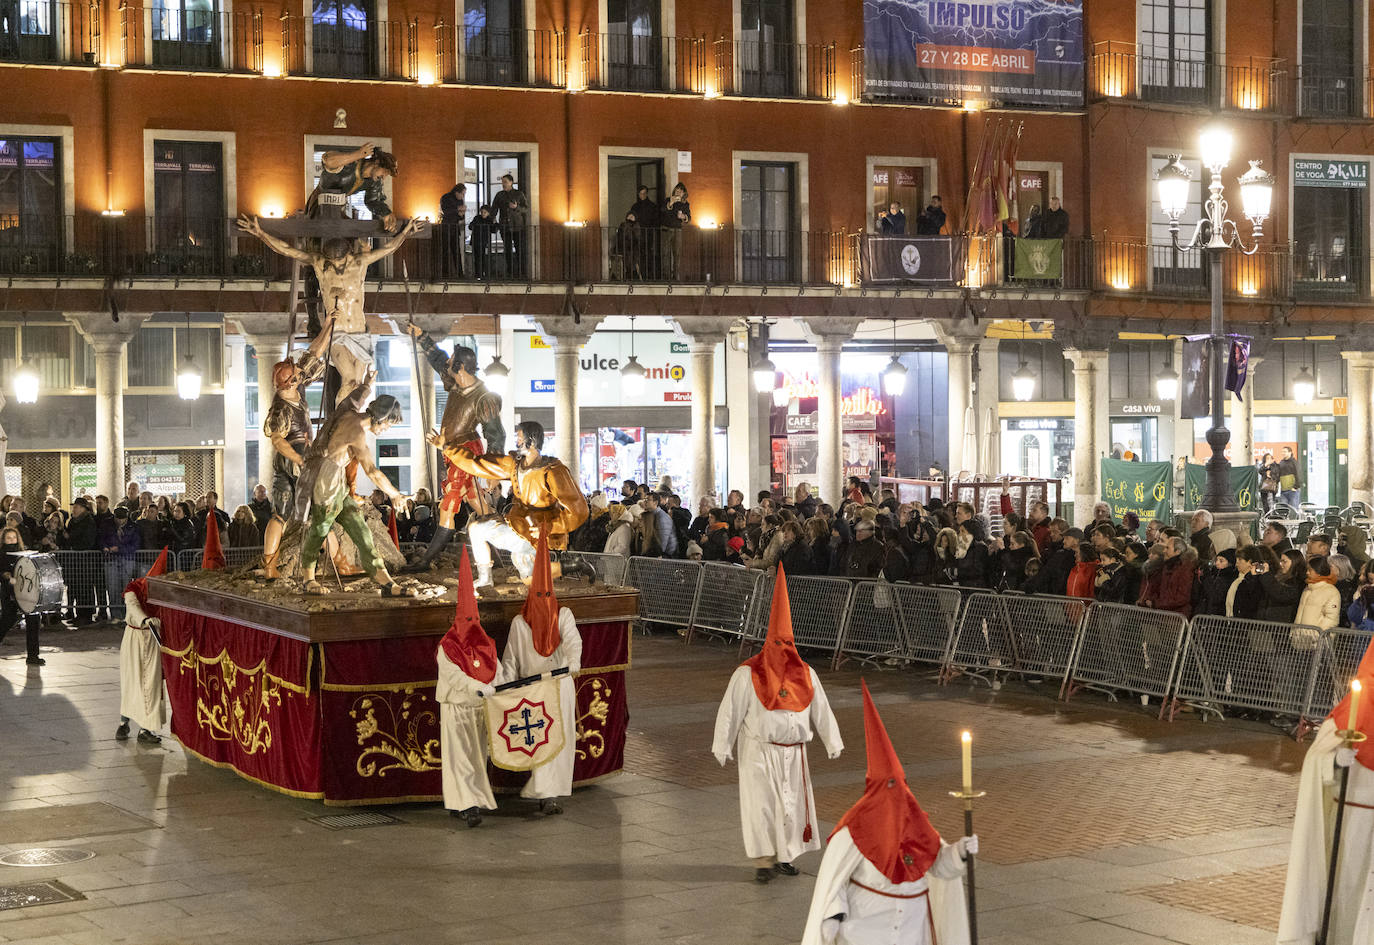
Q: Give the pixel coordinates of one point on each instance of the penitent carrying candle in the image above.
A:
(967, 739)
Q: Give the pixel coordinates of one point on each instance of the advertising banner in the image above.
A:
(1027, 52)
(1142, 488)
(83, 479)
(908, 259)
(1244, 484)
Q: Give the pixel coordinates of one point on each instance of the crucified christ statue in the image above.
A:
(341, 268)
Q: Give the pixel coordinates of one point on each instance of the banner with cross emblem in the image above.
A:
(523, 725)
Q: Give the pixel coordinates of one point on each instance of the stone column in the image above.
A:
(828, 334)
(1243, 420)
(703, 335)
(960, 338)
(267, 332)
(234, 490)
(1087, 350)
(108, 338)
(567, 334)
(987, 394)
(1360, 387)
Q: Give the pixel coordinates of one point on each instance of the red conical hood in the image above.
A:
(466, 644)
(1365, 723)
(887, 824)
(140, 585)
(541, 607)
(782, 680)
(212, 559)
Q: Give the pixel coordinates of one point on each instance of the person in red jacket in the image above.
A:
(1083, 577)
(1038, 524)
(1173, 588)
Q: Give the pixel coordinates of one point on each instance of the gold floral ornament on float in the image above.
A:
(234, 704)
(597, 711)
(391, 738)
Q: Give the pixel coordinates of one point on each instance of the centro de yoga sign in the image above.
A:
(1319, 173)
(1028, 52)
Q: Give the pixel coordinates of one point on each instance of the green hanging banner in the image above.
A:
(1039, 259)
(1244, 484)
(1142, 488)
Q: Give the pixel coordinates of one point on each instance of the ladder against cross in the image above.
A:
(526, 730)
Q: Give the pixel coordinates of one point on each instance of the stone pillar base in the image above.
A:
(1242, 523)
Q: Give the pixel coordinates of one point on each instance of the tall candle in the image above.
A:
(967, 739)
(1353, 723)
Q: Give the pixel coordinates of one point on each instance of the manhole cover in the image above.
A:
(356, 819)
(46, 856)
(23, 895)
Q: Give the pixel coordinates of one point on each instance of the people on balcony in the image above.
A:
(892, 221)
(677, 213)
(512, 210)
(931, 220)
(452, 222)
(1056, 224)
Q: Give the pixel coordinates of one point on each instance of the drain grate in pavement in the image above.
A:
(355, 820)
(23, 895)
(46, 856)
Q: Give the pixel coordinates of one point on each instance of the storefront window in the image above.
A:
(1038, 448)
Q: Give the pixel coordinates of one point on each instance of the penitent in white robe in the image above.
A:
(776, 802)
(1352, 910)
(463, 736)
(521, 659)
(879, 912)
(142, 699)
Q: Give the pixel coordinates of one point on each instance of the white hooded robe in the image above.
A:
(1352, 909)
(142, 699)
(521, 659)
(463, 736)
(775, 795)
(886, 913)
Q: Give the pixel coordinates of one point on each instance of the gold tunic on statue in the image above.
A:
(543, 495)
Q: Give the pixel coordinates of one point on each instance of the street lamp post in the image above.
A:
(1215, 234)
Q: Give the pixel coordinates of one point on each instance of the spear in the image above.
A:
(424, 401)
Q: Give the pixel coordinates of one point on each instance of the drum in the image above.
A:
(38, 583)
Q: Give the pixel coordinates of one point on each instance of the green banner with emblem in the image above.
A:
(1039, 259)
(1142, 488)
(1244, 484)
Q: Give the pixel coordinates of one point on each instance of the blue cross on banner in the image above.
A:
(528, 728)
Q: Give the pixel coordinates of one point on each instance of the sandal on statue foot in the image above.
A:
(315, 588)
(396, 590)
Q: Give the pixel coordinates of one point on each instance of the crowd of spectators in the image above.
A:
(1209, 571)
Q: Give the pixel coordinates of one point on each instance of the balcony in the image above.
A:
(341, 47)
(136, 247)
(194, 40)
(509, 58)
(775, 70)
(1326, 96)
(624, 62)
(1130, 72)
(48, 32)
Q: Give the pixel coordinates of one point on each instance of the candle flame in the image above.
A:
(966, 737)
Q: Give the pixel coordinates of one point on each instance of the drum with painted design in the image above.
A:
(37, 583)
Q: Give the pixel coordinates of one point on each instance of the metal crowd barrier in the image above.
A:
(610, 569)
(898, 623)
(1338, 656)
(1029, 635)
(819, 605)
(668, 589)
(724, 604)
(1249, 664)
(1127, 649)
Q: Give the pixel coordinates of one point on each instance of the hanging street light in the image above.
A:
(1304, 386)
(894, 375)
(1166, 383)
(1215, 234)
(765, 376)
(496, 375)
(1023, 382)
(632, 374)
(26, 383)
(189, 378)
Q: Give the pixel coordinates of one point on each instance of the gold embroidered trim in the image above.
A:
(224, 660)
(398, 735)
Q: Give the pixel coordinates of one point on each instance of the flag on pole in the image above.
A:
(523, 725)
